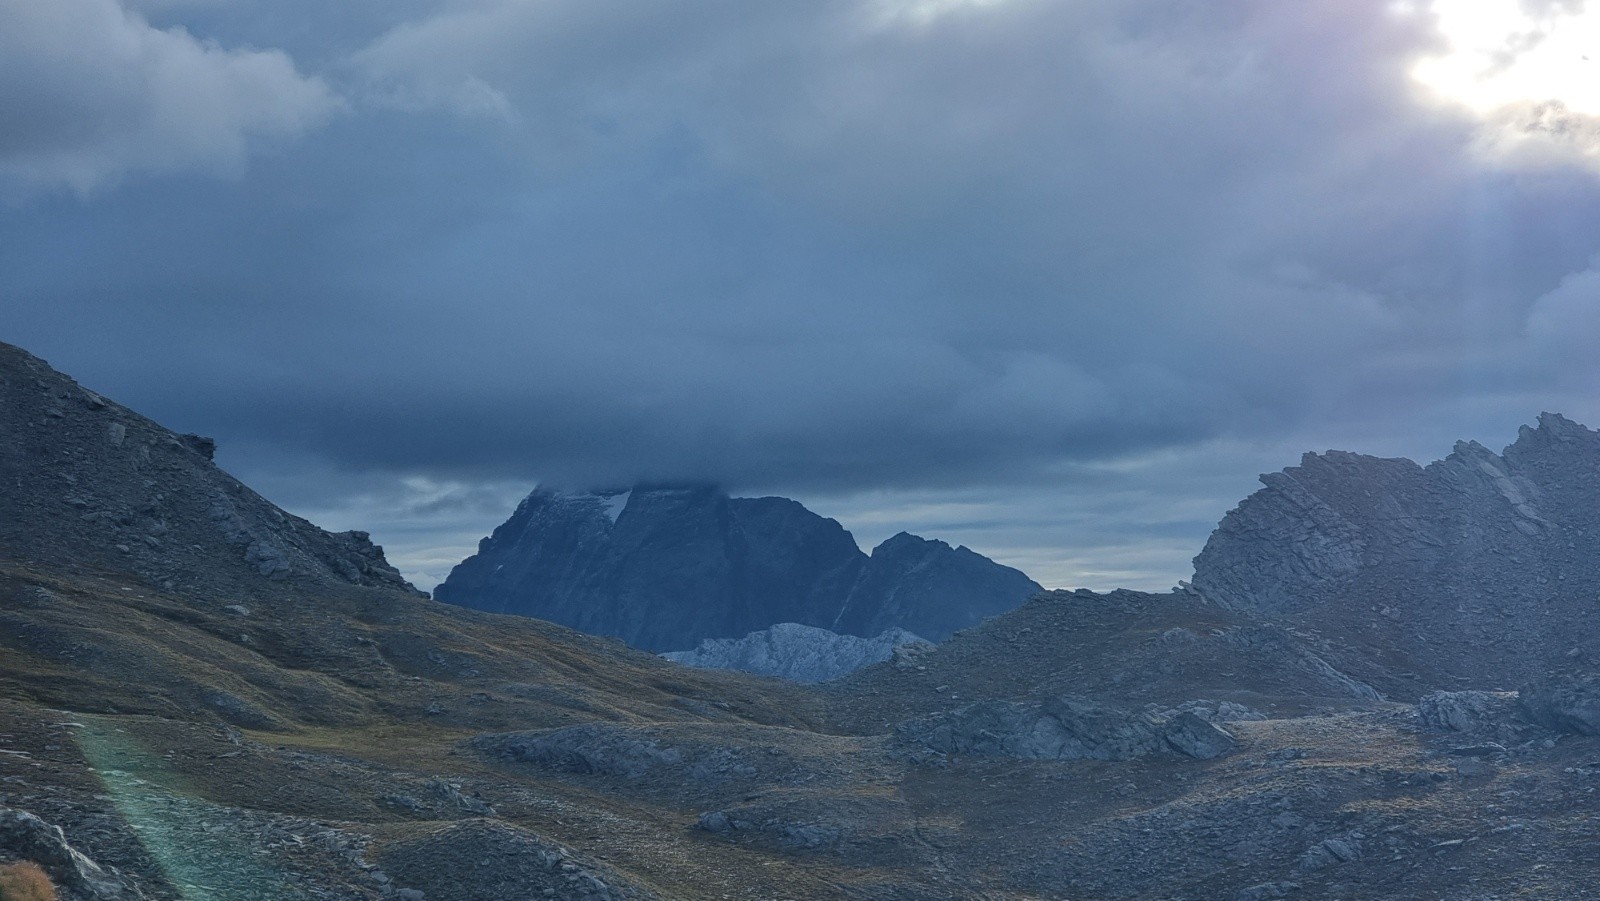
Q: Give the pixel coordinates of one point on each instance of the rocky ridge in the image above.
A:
(90, 483)
(664, 567)
(1480, 565)
(1168, 649)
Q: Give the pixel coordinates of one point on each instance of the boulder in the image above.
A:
(200, 444)
(450, 794)
(1566, 703)
(1197, 738)
(1463, 711)
(1332, 851)
(1217, 712)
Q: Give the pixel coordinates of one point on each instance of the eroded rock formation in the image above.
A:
(1480, 564)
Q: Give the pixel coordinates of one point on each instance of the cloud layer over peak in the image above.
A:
(1011, 249)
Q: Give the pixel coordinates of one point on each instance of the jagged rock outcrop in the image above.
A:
(26, 837)
(1066, 729)
(1465, 711)
(664, 567)
(1482, 567)
(1566, 702)
(796, 652)
(123, 493)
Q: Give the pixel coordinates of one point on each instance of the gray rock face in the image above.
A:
(1331, 852)
(588, 750)
(850, 830)
(450, 795)
(1566, 703)
(1481, 565)
(1273, 642)
(1065, 729)
(482, 860)
(795, 652)
(664, 567)
(1218, 712)
(1465, 711)
(24, 836)
(1198, 738)
(124, 493)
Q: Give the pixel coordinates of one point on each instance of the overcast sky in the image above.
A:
(1055, 280)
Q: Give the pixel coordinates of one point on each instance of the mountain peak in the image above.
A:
(1561, 425)
(680, 563)
(905, 542)
(1554, 428)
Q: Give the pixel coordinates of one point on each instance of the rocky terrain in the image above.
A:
(799, 653)
(184, 723)
(664, 567)
(1425, 566)
(90, 484)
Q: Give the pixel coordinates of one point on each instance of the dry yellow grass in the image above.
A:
(25, 882)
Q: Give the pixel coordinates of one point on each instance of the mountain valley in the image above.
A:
(1379, 684)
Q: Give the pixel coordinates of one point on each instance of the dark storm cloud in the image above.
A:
(829, 248)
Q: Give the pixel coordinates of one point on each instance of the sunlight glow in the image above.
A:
(1502, 55)
(923, 12)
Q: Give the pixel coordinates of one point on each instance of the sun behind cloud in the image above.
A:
(924, 12)
(1503, 53)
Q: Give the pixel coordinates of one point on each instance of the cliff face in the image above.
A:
(1499, 552)
(918, 584)
(665, 567)
(86, 482)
